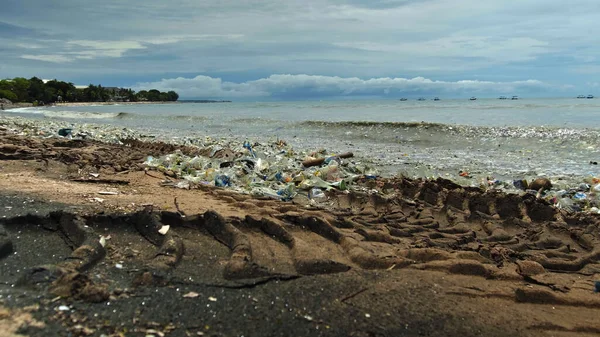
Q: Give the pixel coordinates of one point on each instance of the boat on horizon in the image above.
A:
(581, 96)
(502, 97)
(473, 98)
(590, 96)
(403, 99)
(436, 98)
(514, 98)
(421, 99)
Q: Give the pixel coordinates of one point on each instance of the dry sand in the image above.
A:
(416, 258)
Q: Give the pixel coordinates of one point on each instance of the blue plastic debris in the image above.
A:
(288, 193)
(222, 180)
(520, 184)
(249, 148)
(65, 132)
(332, 158)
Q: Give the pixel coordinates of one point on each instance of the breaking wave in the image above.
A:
(130, 115)
(253, 120)
(533, 132)
(52, 113)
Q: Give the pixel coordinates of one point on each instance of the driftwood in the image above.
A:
(101, 181)
(319, 161)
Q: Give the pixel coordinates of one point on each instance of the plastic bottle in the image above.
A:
(565, 203)
(209, 175)
(330, 173)
(341, 185)
(313, 182)
(331, 159)
(317, 195)
(152, 162)
(196, 163)
(248, 146)
(288, 192)
(584, 187)
(283, 178)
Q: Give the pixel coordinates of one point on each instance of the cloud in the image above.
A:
(381, 4)
(47, 58)
(91, 49)
(495, 50)
(302, 86)
(29, 46)
(593, 84)
(586, 69)
(245, 40)
(9, 30)
(94, 49)
(167, 39)
(83, 49)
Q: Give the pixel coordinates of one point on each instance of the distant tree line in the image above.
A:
(34, 90)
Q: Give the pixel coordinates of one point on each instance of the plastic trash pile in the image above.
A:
(51, 129)
(584, 197)
(274, 170)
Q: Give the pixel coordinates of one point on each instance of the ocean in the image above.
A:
(499, 139)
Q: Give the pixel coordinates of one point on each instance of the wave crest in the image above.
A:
(534, 132)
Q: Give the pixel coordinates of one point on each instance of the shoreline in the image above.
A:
(151, 248)
(110, 103)
(75, 104)
(575, 195)
(16, 105)
(414, 149)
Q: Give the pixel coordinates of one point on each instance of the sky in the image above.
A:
(305, 49)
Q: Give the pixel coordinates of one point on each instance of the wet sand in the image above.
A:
(415, 258)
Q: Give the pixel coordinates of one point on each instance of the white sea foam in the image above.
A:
(79, 114)
(53, 113)
(32, 110)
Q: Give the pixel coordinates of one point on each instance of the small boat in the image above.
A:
(590, 96)
(502, 97)
(514, 98)
(581, 96)
(403, 99)
(421, 99)
(473, 98)
(436, 99)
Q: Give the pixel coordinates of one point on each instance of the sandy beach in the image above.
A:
(74, 104)
(376, 168)
(7, 106)
(94, 243)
